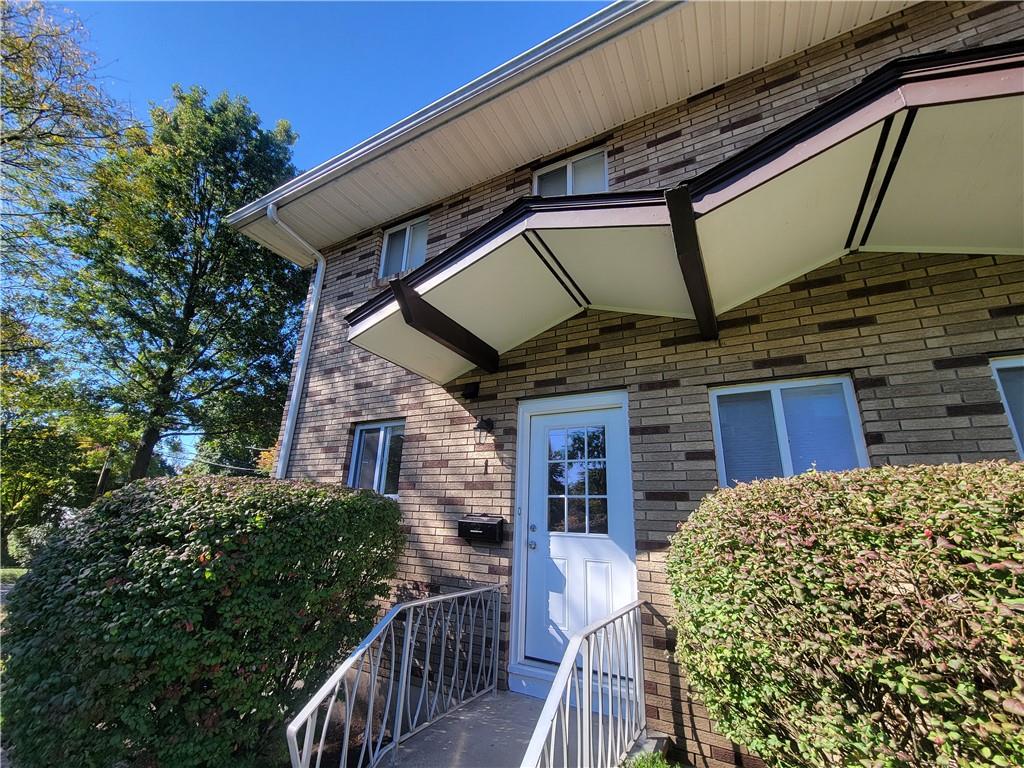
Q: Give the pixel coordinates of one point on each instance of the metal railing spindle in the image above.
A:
(603, 697)
(362, 691)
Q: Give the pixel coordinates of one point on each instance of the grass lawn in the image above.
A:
(11, 575)
(7, 577)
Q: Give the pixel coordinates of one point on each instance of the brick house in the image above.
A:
(672, 248)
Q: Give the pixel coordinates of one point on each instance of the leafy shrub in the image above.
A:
(175, 623)
(647, 760)
(24, 541)
(872, 617)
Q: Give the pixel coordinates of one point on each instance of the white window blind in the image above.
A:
(588, 175)
(818, 427)
(749, 441)
(580, 175)
(1009, 373)
(779, 429)
(405, 248)
(554, 183)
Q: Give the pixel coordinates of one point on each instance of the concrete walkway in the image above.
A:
(491, 732)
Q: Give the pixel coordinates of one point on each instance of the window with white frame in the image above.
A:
(577, 175)
(377, 457)
(405, 247)
(1009, 373)
(777, 429)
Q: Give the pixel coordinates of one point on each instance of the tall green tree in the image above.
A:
(55, 118)
(55, 434)
(173, 307)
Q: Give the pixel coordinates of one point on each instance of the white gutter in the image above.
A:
(307, 341)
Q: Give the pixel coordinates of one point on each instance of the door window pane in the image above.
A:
(577, 518)
(553, 183)
(588, 174)
(597, 512)
(597, 480)
(750, 444)
(556, 478)
(417, 244)
(556, 514)
(577, 447)
(556, 444)
(577, 481)
(394, 252)
(818, 425)
(575, 478)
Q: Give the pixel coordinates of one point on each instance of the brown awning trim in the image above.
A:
(435, 324)
(691, 261)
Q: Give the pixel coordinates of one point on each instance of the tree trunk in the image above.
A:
(144, 453)
(155, 426)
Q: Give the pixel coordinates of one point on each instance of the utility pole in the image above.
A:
(101, 484)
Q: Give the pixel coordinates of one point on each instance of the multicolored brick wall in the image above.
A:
(914, 332)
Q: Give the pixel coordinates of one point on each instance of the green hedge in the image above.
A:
(175, 623)
(869, 618)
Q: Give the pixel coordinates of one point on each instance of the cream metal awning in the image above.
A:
(539, 263)
(926, 155)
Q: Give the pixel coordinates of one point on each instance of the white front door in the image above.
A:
(580, 562)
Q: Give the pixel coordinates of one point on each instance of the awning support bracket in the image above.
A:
(435, 324)
(684, 232)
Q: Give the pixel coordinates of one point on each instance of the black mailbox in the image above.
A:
(485, 528)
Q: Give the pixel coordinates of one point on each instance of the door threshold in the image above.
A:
(531, 678)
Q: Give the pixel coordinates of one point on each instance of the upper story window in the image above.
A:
(377, 457)
(1009, 373)
(778, 429)
(405, 247)
(578, 175)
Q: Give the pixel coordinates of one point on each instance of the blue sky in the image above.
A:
(339, 72)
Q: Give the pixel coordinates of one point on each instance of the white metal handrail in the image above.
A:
(595, 711)
(424, 659)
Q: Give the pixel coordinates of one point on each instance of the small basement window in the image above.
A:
(1009, 373)
(405, 247)
(778, 429)
(377, 457)
(578, 175)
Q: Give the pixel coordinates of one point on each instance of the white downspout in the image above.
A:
(307, 341)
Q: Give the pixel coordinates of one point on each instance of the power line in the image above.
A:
(222, 466)
(197, 457)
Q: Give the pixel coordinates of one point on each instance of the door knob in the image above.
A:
(533, 527)
(533, 545)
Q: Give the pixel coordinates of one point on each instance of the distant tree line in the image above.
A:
(132, 319)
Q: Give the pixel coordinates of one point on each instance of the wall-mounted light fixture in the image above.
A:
(484, 426)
